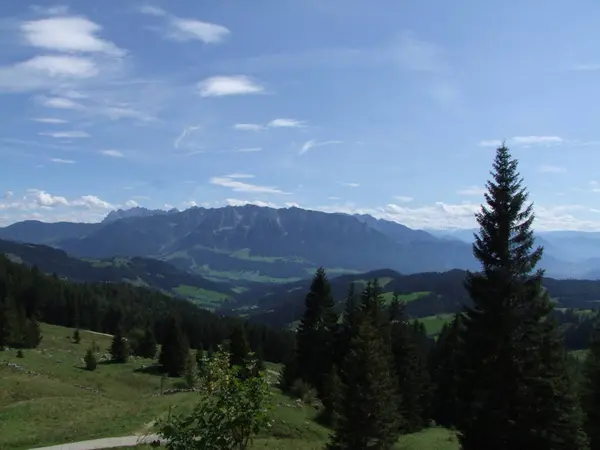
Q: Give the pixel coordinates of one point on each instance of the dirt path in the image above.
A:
(96, 444)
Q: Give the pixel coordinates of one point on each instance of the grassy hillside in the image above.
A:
(138, 271)
(47, 398)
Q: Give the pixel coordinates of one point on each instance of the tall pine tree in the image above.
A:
(119, 350)
(367, 415)
(175, 348)
(515, 391)
(444, 370)
(238, 346)
(315, 338)
(591, 390)
(411, 370)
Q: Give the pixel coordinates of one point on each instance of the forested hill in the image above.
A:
(103, 307)
(425, 294)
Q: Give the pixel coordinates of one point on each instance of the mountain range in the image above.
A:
(259, 244)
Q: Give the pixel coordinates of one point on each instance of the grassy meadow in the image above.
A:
(47, 398)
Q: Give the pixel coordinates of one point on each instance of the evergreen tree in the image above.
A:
(444, 369)
(147, 345)
(5, 323)
(119, 350)
(591, 390)
(33, 333)
(411, 370)
(190, 372)
(316, 334)
(175, 349)
(367, 416)
(514, 389)
(238, 346)
(90, 359)
(76, 336)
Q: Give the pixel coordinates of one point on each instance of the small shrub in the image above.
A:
(76, 336)
(90, 359)
(20, 354)
(303, 391)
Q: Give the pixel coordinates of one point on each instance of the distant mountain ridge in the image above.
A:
(261, 244)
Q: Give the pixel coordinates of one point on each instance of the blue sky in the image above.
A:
(331, 105)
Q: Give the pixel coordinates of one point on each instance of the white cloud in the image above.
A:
(236, 202)
(219, 86)
(472, 190)
(45, 71)
(239, 175)
(190, 29)
(249, 150)
(537, 140)
(91, 202)
(8, 195)
(239, 186)
(353, 185)
(112, 153)
(185, 132)
(124, 112)
(190, 204)
(152, 10)
(62, 65)
(62, 161)
(404, 198)
(60, 103)
(524, 141)
(50, 120)
(248, 127)
(66, 134)
(285, 123)
(42, 198)
(68, 34)
(551, 169)
(308, 145)
(131, 204)
(185, 29)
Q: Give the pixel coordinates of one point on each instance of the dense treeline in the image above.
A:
(499, 372)
(28, 296)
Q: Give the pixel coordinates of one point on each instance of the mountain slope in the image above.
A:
(263, 244)
(140, 271)
(425, 294)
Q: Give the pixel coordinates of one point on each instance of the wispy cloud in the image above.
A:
(184, 133)
(551, 169)
(352, 185)
(49, 120)
(60, 103)
(240, 186)
(248, 127)
(275, 123)
(56, 10)
(285, 123)
(404, 198)
(112, 153)
(309, 145)
(219, 86)
(239, 175)
(62, 161)
(249, 150)
(471, 190)
(524, 141)
(537, 140)
(66, 134)
(185, 29)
